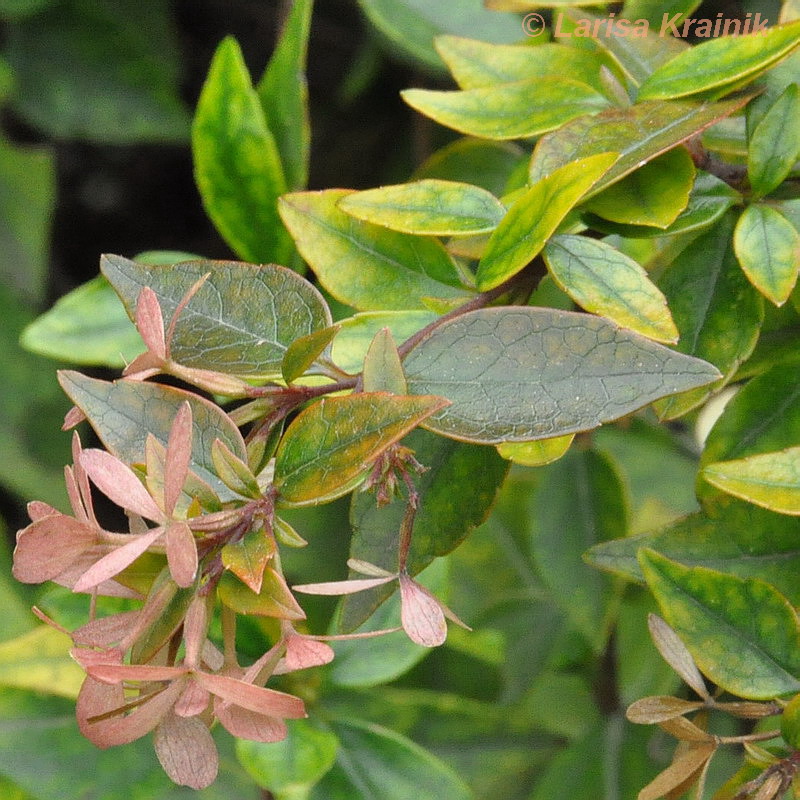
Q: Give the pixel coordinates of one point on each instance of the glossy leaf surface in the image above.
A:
(325, 451)
(607, 282)
(538, 453)
(364, 265)
(743, 633)
(531, 373)
(217, 329)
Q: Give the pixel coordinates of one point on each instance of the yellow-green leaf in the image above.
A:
(720, 62)
(538, 453)
(427, 207)
(533, 218)
(511, 110)
(274, 600)
(383, 371)
(771, 480)
(248, 558)
(767, 246)
(301, 354)
(326, 450)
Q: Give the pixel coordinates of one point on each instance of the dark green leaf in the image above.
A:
(218, 329)
(717, 312)
(376, 762)
(767, 246)
(364, 265)
(327, 448)
(237, 163)
(452, 504)
(103, 70)
(517, 374)
(743, 634)
(122, 413)
(510, 110)
(22, 8)
(284, 95)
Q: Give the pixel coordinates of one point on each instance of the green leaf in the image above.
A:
(653, 195)
(533, 218)
(475, 64)
(743, 634)
(578, 502)
(39, 660)
(101, 70)
(27, 204)
(298, 762)
(375, 762)
(218, 330)
(718, 539)
(518, 374)
(87, 326)
(654, 10)
(478, 161)
(302, 353)
(410, 26)
(717, 312)
(283, 92)
(774, 145)
(327, 448)
(122, 413)
(383, 371)
(11, 9)
(721, 62)
(638, 133)
(771, 480)
(451, 505)
(274, 599)
(237, 163)
(364, 265)
(356, 333)
(604, 281)
(233, 472)
(767, 246)
(427, 207)
(536, 454)
(510, 110)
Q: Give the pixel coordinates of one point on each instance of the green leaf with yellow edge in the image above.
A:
(605, 281)
(327, 448)
(510, 110)
(476, 64)
(771, 480)
(428, 207)
(653, 195)
(717, 312)
(383, 371)
(283, 92)
(122, 413)
(774, 145)
(767, 246)
(536, 454)
(217, 329)
(517, 374)
(301, 354)
(364, 265)
(638, 133)
(533, 218)
(735, 537)
(742, 633)
(247, 558)
(274, 599)
(39, 660)
(237, 162)
(720, 62)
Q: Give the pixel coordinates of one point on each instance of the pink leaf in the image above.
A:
(148, 673)
(143, 366)
(421, 614)
(150, 322)
(70, 576)
(106, 630)
(186, 751)
(181, 553)
(113, 563)
(82, 481)
(179, 454)
(302, 653)
(72, 418)
(193, 701)
(342, 587)
(134, 718)
(119, 483)
(246, 724)
(94, 658)
(38, 510)
(49, 546)
(195, 627)
(254, 698)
